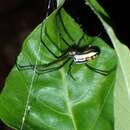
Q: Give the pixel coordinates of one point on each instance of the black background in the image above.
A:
(19, 17)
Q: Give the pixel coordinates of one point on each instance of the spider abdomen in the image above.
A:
(88, 55)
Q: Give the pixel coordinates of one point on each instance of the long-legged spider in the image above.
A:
(73, 54)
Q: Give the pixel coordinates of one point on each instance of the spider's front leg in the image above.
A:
(48, 69)
(43, 68)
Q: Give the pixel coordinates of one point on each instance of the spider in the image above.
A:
(74, 54)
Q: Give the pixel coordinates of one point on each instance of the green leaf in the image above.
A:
(60, 3)
(54, 101)
(122, 88)
(122, 105)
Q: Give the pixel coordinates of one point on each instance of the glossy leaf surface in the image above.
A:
(54, 101)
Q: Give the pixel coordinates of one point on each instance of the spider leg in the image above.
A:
(26, 67)
(44, 27)
(43, 71)
(48, 36)
(70, 37)
(66, 31)
(102, 72)
(64, 40)
(49, 6)
(44, 42)
(69, 70)
(79, 41)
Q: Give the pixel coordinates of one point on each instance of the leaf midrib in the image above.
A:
(67, 100)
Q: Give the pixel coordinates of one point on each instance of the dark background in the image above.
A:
(19, 17)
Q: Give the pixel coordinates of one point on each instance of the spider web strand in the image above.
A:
(33, 78)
